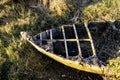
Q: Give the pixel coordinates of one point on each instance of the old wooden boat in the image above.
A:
(71, 45)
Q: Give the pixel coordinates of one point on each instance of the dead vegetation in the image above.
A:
(21, 62)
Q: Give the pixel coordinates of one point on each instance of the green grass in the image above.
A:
(115, 64)
(21, 62)
(18, 62)
(105, 10)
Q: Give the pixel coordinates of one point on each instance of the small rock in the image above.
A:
(63, 75)
(50, 79)
(16, 52)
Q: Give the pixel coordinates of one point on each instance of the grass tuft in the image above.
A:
(105, 10)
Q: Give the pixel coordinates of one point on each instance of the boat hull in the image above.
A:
(74, 64)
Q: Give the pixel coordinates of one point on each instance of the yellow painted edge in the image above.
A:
(73, 64)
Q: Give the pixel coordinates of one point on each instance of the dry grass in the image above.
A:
(22, 62)
(59, 7)
(105, 10)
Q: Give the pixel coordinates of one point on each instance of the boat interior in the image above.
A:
(66, 41)
(77, 40)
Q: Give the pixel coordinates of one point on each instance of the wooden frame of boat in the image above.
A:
(80, 63)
